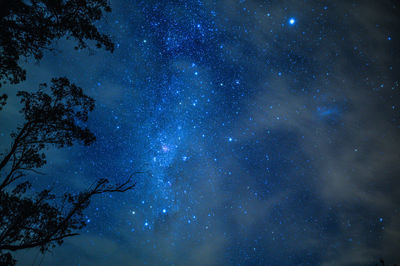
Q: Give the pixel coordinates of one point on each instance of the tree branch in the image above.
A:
(15, 145)
(35, 244)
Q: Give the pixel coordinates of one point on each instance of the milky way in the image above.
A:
(265, 131)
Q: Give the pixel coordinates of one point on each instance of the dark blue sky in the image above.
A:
(264, 141)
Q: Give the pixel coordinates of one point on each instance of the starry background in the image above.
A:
(267, 131)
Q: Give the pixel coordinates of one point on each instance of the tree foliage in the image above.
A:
(54, 116)
(28, 27)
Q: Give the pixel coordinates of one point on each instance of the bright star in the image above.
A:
(292, 21)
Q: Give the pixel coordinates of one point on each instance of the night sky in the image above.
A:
(268, 133)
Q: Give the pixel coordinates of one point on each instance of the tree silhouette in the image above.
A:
(56, 118)
(28, 27)
(54, 115)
